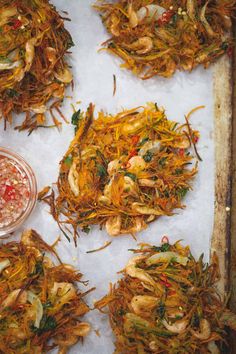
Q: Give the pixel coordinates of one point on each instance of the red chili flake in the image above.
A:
(181, 152)
(16, 24)
(10, 193)
(132, 153)
(165, 283)
(165, 18)
(164, 280)
(165, 239)
(135, 139)
(171, 292)
(195, 139)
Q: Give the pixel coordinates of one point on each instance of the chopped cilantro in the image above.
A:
(174, 126)
(182, 192)
(12, 93)
(161, 310)
(164, 248)
(121, 312)
(178, 171)
(101, 171)
(38, 268)
(143, 141)
(76, 117)
(47, 304)
(68, 161)
(148, 156)
(224, 46)
(195, 320)
(131, 175)
(70, 43)
(162, 161)
(86, 229)
(47, 323)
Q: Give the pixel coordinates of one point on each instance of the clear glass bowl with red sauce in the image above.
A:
(18, 191)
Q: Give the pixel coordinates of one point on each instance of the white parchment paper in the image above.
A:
(93, 76)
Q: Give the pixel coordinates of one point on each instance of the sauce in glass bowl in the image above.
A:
(18, 191)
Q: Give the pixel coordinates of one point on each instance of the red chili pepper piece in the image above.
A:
(171, 292)
(132, 153)
(164, 280)
(181, 152)
(165, 283)
(165, 18)
(10, 193)
(16, 24)
(195, 139)
(135, 139)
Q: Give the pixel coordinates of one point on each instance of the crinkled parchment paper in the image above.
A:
(93, 77)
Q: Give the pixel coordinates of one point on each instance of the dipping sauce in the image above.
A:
(17, 191)
(14, 191)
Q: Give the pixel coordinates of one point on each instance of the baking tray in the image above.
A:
(204, 224)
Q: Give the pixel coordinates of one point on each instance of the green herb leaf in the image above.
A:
(12, 93)
(5, 60)
(224, 45)
(162, 161)
(86, 229)
(38, 268)
(70, 43)
(178, 171)
(101, 171)
(148, 156)
(174, 126)
(76, 117)
(121, 312)
(143, 141)
(47, 323)
(174, 19)
(131, 175)
(166, 194)
(163, 248)
(195, 321)
(47, 304)
(161, 309)
(182, 192)
(68, 161)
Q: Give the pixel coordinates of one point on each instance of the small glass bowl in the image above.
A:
(23, 166)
